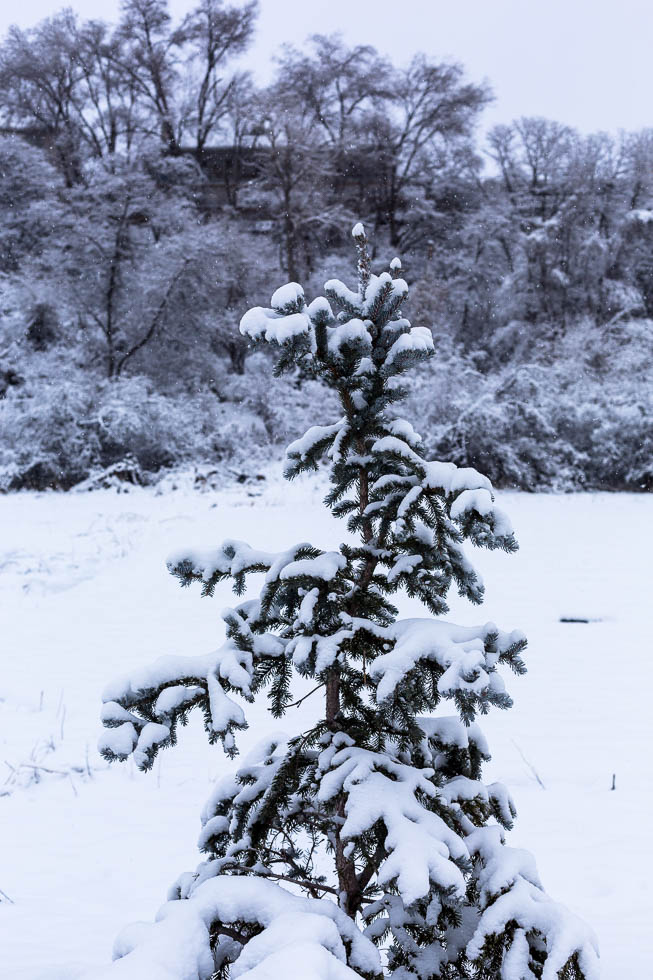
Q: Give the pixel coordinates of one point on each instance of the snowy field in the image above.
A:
(84, 595)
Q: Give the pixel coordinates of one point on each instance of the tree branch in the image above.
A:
(155, 319)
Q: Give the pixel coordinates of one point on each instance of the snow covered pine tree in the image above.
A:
(382, 790)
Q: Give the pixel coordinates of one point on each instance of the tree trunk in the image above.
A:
(238, 353)
(290, 248)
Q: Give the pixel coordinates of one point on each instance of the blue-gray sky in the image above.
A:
(587, 63)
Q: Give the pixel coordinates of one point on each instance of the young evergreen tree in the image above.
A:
(383, 789)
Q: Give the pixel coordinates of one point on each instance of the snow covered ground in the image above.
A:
(84, 595)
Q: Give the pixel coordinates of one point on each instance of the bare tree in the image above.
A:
(432, 107)
(297, 172)
(178, 72)
(213, 34)
(339, 85)
(149, 57)
(114, 261)
(39, 77)
(106, 100)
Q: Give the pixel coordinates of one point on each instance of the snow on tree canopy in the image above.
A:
(324, 567)
(298, 936)
(264, 324)
(374, 828)
(289, 297)
(466, 658)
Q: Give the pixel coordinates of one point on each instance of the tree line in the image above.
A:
(131, 239)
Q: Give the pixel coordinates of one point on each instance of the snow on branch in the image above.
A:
(464, 658)
(303, 454)
(421, 849)
(418, 342)
(469, 494)
(262, 929)
(324, 567)
(514, 903)
(232, 810)
(263, 324)
(233, 559)
(142, 709)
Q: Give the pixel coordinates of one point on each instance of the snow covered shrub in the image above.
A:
(369, 845)
(162, 430)
(602, 386)
(28, 188)
(55, 435)
(283, 407)
(59, 433)
(44, 442)
(132, 418)
(503, 422)
(575, 413)
(614, 429)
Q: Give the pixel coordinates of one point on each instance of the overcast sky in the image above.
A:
(587, 63)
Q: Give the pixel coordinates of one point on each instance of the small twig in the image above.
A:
(296, 704)
(310, 885)
(614, 781)
(6, 897)
(54, 772)
(532, 768)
